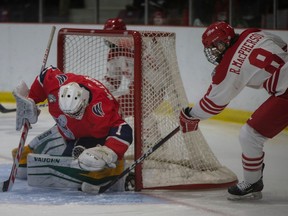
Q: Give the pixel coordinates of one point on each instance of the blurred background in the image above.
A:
(267, 14)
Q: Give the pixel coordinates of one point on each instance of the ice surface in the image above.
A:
(223, 140)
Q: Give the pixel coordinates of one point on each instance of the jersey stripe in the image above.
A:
(271, 84)
(210, 107)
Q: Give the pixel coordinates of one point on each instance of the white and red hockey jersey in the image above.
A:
(258, 60)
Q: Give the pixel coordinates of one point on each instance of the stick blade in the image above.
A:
(4, 186)
(5, 110)
(103, 188)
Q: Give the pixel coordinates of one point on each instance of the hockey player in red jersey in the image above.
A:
(255, 59)
(87, 119)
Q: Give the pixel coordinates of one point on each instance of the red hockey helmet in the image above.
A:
(216, 39)
(218, 32)
(115, 24)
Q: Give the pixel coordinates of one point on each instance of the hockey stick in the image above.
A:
(8, 184)
(139, 160)
(5, 110)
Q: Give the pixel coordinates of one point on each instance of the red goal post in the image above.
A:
(151, 94)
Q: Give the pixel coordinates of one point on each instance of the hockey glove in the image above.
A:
(96, 158)
(26, 107)
(187, 122)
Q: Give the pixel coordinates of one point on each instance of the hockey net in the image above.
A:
(185, 161)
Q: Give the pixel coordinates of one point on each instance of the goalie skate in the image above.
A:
(89, 188)
(130, 182)
(94, 189)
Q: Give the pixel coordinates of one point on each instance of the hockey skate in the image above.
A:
(90, 188)
(247, 191)
(94, 189)
(119, 186)
(125, 184)
(130, 182)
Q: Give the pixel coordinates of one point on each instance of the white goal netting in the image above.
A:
(141, 70)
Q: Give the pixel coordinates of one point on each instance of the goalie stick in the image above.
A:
(8, 184)
(139, 160)
(5, 110)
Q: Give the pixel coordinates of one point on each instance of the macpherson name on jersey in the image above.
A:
(244, 51)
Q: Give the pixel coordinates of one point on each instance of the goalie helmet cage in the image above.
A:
(185, 161)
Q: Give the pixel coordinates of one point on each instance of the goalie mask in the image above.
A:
(216, 39)
(73, 100)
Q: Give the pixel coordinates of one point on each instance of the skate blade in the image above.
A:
(251, 196)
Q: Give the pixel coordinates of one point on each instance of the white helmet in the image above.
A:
(73, 100)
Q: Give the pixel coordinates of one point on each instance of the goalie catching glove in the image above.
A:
(187, 122)
(96, 159)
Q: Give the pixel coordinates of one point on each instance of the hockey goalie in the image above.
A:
(85, 148)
